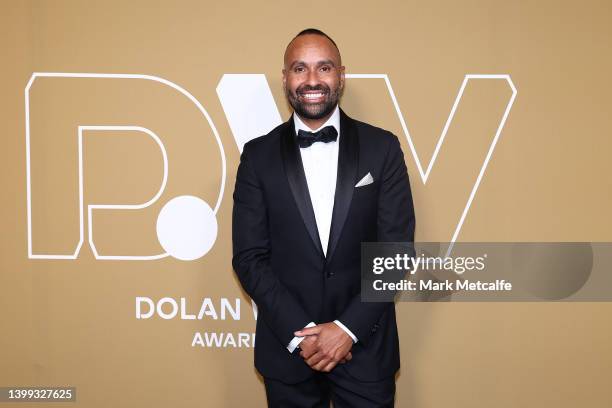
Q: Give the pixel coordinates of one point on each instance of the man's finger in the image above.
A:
(307, 354)
(309, 331)
(329, 367)
(314, 359)
(348, 357)
(320, 365)
(324, 363)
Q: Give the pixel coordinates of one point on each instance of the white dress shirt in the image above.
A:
(320, 162)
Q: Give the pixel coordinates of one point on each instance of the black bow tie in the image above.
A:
(325, 135)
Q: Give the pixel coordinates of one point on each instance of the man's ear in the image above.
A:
(342, 69)
(284, 78)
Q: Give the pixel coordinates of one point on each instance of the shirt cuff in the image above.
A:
(343, 327)
(297, 340)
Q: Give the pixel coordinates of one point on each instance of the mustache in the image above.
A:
(306, 88)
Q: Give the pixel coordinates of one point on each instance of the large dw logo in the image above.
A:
(186, 226)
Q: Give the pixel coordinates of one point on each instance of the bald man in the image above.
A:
(307, 194)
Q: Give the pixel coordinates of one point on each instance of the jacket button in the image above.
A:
(330, 274)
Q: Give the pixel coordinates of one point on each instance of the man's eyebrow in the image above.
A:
(294, 63)
(322, 62)
(326, 62)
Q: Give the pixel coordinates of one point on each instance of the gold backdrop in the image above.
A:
(73, 322)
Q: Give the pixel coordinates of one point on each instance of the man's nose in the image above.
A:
(313, 78)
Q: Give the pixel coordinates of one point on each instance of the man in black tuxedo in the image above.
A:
(307, 194)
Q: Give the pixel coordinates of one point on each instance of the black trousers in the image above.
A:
(337, 386)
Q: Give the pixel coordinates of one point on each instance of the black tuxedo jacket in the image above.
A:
(277, 252)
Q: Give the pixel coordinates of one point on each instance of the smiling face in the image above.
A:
(313, 78)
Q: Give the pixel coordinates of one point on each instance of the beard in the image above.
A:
(313, 110)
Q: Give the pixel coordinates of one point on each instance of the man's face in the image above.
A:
(313, 77)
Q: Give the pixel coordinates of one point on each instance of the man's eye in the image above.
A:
(325, 69)
(299, 69)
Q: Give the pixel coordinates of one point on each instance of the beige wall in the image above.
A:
(72, 322)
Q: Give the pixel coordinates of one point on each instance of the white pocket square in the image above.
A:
(367, 179)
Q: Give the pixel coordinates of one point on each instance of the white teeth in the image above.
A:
(313, 96)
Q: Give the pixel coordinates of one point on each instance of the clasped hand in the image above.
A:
(324, 346)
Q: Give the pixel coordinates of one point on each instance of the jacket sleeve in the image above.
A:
(251, 256)
(395, 223)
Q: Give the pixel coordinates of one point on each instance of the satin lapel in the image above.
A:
(348, 160)
(294, 169)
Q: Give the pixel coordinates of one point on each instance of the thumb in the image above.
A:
(309, 331)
